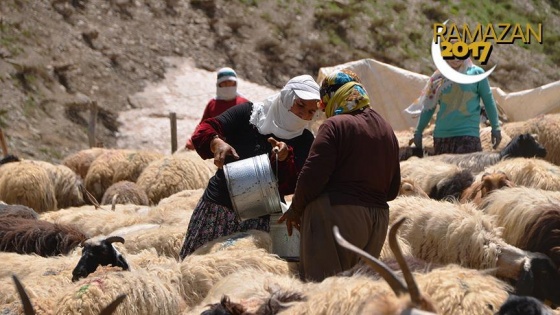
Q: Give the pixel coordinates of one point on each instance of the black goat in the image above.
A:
(99, 252)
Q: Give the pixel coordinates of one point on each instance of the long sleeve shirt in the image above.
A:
(234, 127)
(459, 109)
(355, 159)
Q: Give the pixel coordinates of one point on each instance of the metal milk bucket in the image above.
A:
(283, 245)
(252, 187)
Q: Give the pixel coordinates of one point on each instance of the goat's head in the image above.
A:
(418, 302)
(96, 253)
(522, 305)
(539, 278)
(524, 145)
(494, 181)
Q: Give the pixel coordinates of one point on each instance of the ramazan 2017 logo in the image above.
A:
(481, 40)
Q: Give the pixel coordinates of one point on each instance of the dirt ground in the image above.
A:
(138, 60)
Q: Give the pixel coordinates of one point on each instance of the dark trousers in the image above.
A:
(320, 254)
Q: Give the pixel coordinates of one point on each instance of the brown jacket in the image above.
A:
(355, 159)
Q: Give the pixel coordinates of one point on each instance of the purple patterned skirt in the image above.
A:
(210, 221)
(457, 145)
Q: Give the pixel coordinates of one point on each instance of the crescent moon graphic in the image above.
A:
(451, 73)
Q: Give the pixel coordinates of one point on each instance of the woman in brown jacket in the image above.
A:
(351, 172)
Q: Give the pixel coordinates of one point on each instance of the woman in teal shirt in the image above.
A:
(457, 128)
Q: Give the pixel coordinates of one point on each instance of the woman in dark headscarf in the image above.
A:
(351, 172)
(244, 131)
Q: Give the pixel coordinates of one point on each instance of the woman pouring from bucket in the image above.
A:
(351, 172)
(278, 126)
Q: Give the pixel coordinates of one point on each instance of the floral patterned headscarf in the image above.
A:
(342, 93)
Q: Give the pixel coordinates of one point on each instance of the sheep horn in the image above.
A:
(114, 202)
(394, 282)
(25, 301)
(110, 309)
(115, 238)
(407, 274)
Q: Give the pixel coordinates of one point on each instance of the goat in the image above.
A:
(489, 182)
(99, 251)
(26, 236)
(523, 145)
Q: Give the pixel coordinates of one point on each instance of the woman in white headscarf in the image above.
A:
(281, 121)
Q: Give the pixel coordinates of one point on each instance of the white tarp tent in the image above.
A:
(393, 89)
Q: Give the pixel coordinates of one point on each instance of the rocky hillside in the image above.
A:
(59, 56)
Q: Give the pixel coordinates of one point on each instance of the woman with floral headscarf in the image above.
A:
(247, 130)
(351, 172)
(457, 127)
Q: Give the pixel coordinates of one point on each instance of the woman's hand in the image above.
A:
(280, 147)
(221, 149)
(293, 220)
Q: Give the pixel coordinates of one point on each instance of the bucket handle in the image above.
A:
(276, 149)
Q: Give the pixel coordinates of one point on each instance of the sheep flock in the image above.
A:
(100, 233)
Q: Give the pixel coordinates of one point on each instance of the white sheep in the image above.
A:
(133, 164)
(101, 171)
(409, 188)
(165, 239)
(529, 172)
(449, 233)
(252, 239)
(27, 184)
(172, 174)
(125, 192)
(94, 222)
(201, 272)
(176, 209)
(438, 179)
(148, 291)
(80, 161)
(530, 218)
(68, 186)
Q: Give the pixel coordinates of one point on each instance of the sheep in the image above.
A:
(68, 186)
(94, 222)
(101, 171)
(170, 175)
(165, 239)
(43, 238)
(252, 239)
(409, 188)
(80, 161)
(530, 172)
(148, 291)
(99, 251)
(435, 227)
(29, 310)
(523, 145)
(17, 211)
(257, 292)
(488, 183)
(125, 192)
(176, 209)
(201, 272)
(530, 218)
(27, 184)
(133, 164)
(438, 179)
(546, 128)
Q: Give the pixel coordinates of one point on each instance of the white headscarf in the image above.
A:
(273, 116)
